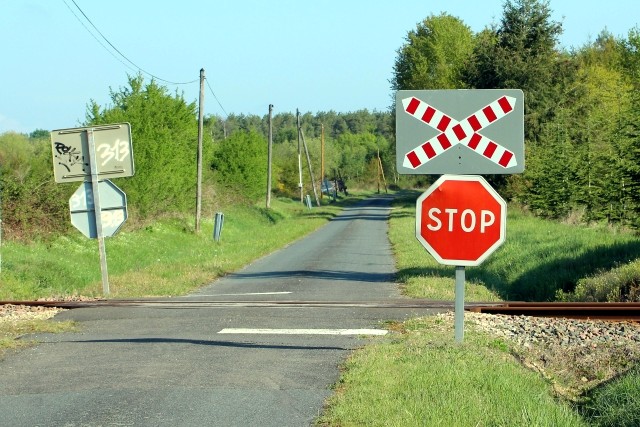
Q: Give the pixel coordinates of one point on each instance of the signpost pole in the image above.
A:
(459, 304)
(97, 210)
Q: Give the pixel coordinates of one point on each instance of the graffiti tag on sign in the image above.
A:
(69, 156)
(117, 151)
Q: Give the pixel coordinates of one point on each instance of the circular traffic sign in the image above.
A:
(461, 220)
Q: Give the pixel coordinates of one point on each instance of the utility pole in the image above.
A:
(321, 158)
(313, 181)
(299, 158)
(199, 156)
(0, 228)
(381, 174)
(270, 143)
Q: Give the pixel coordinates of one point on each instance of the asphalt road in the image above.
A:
(192, 365)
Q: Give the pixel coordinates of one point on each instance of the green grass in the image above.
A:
(162, 259)
(538, 259)
(11, 331)
(423, 378)
(616, 404)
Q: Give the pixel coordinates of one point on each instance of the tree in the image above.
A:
(520, 54)
(32, 203)
(164, 137)
(433, 55)
(39, 134)
(240, 163)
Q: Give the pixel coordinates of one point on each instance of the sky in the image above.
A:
(309, 55)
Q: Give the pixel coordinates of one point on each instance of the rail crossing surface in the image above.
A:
(198, 363)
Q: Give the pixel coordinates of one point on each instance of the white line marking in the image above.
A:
(248, 293)
(304, 331)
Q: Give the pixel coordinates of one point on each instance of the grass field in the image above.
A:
(421, 377)
(538, 259)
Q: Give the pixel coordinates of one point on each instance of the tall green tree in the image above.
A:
(164, 133)
(240, 163)
(433, 55)
(520, 53)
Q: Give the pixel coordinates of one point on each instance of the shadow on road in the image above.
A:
(353, 276)
(206, 342)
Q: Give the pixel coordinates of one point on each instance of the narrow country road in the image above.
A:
(198, 365)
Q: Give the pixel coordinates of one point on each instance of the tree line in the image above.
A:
(164, 136)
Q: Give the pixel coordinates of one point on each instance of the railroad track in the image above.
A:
(601, 311)
(613, 311)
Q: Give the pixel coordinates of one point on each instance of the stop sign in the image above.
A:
(461, 220)
(113, 209)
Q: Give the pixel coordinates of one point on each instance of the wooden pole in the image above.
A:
(382, 173)
(269, 157)
(321, 158)
(199, 155)
(313, 181)
(299, 159)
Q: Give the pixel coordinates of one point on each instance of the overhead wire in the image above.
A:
(215, 97)
(129, 63)
(97, 39)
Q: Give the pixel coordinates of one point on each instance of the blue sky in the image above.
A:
(316, 56)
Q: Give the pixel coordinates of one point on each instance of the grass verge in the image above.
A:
(538, 259)
(421, 377)
(162, 259)
(615, 404)
(11, 331)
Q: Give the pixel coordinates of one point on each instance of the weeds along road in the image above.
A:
(191, 364)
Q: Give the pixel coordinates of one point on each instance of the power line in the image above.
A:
(215, 97)
(97, 39)
(116, 49)
(129, 63)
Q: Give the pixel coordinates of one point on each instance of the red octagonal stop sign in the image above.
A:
(461, 220)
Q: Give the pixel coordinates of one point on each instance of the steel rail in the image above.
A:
(579, 310)
(616, 311)
(194, 303)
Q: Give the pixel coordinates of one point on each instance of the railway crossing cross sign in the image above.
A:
(460, 131)
(460, 220)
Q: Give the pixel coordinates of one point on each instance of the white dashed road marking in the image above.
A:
(304, 331)
(246, 293)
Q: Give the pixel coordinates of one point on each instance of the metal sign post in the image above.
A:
(463, 132)
(459, 304)
(96, 201)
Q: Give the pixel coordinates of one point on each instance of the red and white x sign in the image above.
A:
(465, 132)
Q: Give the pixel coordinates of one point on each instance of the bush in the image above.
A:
(32, 203)
(621, 284)
(240, 164)
(164, 132)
